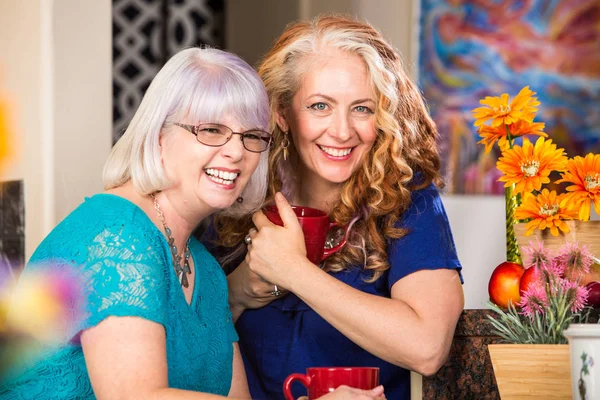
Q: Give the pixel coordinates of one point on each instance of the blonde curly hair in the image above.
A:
(404, 157)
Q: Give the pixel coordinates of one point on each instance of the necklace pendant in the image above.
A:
(183, 280)
(180, 271)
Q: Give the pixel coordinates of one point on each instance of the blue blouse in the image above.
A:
(127, 264)
(287, 336)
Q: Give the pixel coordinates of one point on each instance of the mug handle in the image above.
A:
(287, 384)
(335, 249)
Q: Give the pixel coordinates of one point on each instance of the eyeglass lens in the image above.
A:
(218, 135)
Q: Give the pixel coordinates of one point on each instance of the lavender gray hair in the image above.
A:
(201, 84)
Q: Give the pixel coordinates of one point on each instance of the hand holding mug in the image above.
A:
(315, 227)
(274, 250)
(348, 393)
(337, 383)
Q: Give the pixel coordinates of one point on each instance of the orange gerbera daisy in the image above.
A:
(529, 166)
(584, 174)
(523, 106)
(546, 211)
(493, 134)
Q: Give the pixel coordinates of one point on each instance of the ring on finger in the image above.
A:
(276, 292)
(248, 238)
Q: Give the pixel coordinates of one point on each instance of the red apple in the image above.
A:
(504, 284)
(593, 294)
(592, 276)
(528, 277)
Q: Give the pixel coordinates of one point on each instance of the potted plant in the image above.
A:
(534, 303)
(535, 360)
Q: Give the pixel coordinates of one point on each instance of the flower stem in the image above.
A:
(513, 253)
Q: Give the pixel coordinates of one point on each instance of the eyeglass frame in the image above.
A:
(190, 128)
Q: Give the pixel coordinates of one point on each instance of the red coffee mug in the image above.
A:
(315, 226)
(320, 381)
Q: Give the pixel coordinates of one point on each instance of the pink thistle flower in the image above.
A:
(576, 295)
(575, 259)
(551, 271)
(534, 300)
(536, 255)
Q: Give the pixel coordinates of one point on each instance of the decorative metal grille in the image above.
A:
(145, 34)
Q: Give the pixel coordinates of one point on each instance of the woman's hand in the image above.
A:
(276, 252)
(247, 290)
(348, 393)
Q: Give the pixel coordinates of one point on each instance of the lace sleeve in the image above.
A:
(125, 274)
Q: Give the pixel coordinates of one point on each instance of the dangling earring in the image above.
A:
(285, 143)
(240, 200)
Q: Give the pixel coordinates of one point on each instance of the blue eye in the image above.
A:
(363, 109)
(320, 106)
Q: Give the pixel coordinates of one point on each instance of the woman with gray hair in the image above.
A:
(157, 322)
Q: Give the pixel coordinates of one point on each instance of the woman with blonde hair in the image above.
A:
(353, 137)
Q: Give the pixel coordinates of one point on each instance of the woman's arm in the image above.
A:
(413, 329)
(239, 383)
(126, 359)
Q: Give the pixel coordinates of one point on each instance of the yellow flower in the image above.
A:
(491, 134)
(584, 174)
(546, 211)
(523, 106)
(529, 166)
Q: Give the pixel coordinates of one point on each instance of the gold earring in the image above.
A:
(285, 143)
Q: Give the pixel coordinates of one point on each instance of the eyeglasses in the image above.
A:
(216, 135)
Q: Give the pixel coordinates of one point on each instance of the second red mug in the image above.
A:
(315, 226)
(320, 381)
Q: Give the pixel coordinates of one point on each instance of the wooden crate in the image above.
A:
(532, 371)
(584, 232)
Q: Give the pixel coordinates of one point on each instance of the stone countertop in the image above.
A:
(468, 373)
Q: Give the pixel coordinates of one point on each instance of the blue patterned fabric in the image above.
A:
(287, 336)
(126, 264)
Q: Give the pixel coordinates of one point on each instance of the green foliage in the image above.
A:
(541, 328)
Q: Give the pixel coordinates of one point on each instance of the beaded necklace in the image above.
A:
(182, 271)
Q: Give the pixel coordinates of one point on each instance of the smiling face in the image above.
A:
(211, 177)
(332, 119)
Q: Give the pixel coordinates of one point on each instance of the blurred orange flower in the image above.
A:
(522, 107)
(528, 166)
(4, 142)
(490, 135)
(584, 175)
(547, 210)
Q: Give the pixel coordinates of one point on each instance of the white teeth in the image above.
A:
(336, 152)
(221, 176)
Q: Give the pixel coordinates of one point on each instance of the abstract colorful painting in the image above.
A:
(469, 49)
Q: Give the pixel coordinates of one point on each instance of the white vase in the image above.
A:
(584, 348)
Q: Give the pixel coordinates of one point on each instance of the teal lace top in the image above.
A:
(127, 263)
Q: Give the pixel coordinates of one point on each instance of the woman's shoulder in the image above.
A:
(109, 209)
(100, 217)
(425, 220)
(423, 201)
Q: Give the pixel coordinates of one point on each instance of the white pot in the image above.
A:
(584, 347)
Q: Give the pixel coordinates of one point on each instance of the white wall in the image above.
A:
(82, 99)
(23, 27)
(55, 68)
